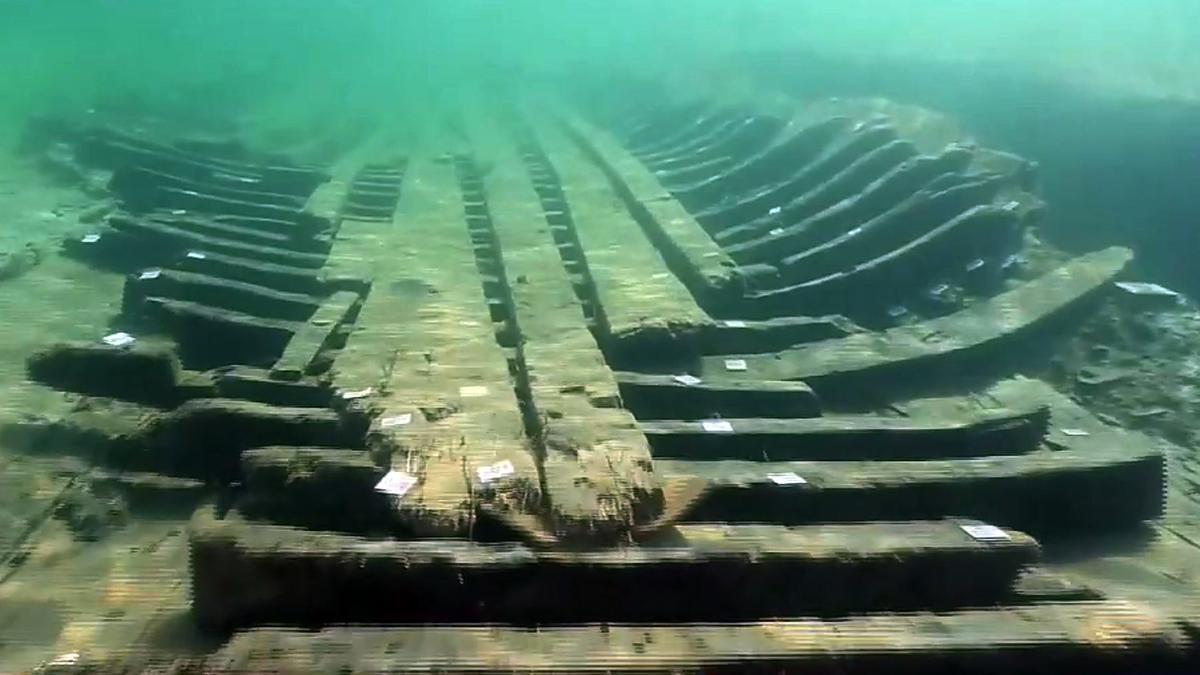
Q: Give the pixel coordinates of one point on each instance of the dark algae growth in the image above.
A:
(598, 337)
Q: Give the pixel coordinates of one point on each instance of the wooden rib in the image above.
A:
(300, 355)
(961, 333)
(851, 437)
(244, 573)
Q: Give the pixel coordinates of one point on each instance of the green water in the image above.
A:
(297, 59)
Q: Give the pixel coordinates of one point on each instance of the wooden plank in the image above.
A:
(255, 384)
(327, 199)
(300, 355)
(425, 347)
(137, 185)
(707, 271)
(262, 231)
(596, 465)
(903, 272)
(875, 199)
(962, 333)
(1094, 478)
(283, 277)
(852, 437)
(1112, 636)
(865, 156)
(243, 574)
(180, 240)
(652, 396)
(319, 488)
(748, 335)
(636, 290)
(800, 143)
(215, 291)
(210, 337)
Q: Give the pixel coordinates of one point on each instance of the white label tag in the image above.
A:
(660, 275)
(687, 379)
(68, 659)
(488, 474)
(717, 426)
(975, 264)
(118, 339)
(396, 483)
(196, 255)
(90, 238)
(472, 391)
(735, 323)
(711, 254)
(986, 532)
(178, 212)
(395, 421)
(352, 394)
(149, 274)
(230, 176)
(776, 232)
(788, 478)
(1075, 432)
(775, 210)
(735, 364)
(190, 192)
(1143, 288)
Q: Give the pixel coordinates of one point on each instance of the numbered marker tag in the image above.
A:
(196, 255)
(788, 478)
(90, 238)
(717, 426)
(986, 533)
(351, 394)
(775, 210)
(733, 323)
(776, 232)
(118, 340)
(395, 421)
(1076, 432)
(472, 391)
(149, 274)
(735, 364)
(687, 379)
(396, 483)
(498, 470)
